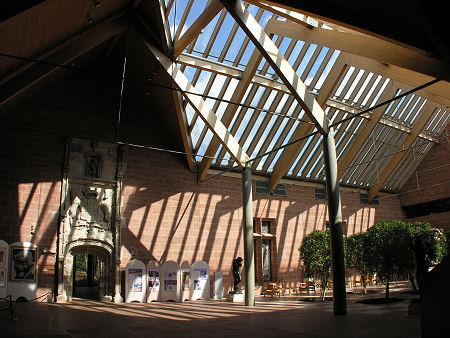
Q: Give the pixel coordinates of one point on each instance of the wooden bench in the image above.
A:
(272, 289)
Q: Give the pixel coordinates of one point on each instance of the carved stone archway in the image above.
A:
(90, 208)
(106, 269)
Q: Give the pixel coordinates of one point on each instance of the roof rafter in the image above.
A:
(211, 10)
(25, 77)
(290, 153)
(231, 110)
(280, 65)
(419, 124)
(438, 92)
(385, 122)
(182, 122)
(366, 46)
(199, 104)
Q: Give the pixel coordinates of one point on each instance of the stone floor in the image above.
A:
(287, 316)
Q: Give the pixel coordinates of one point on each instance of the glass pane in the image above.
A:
(267, 273)
(265, 227)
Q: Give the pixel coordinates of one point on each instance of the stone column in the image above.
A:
(249, 250)
(118, 223)
(335, 215)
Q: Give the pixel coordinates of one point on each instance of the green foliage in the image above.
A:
(316, 255)
(357, 256)
(388, 250)
(428, 246)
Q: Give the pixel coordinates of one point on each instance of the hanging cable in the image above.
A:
(121, 91)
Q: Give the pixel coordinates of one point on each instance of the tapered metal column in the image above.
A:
(335, 214)
(249, 247)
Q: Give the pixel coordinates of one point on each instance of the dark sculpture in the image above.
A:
(237, 263)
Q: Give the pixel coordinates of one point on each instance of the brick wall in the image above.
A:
(431, 182)
(168, 216)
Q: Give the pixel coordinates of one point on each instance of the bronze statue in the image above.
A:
(237, 263)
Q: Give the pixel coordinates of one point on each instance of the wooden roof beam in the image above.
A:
(32, 73)
(385, 122)
(183, 124)
(199, 104)
(290, 153)
(367, 46)
(358, 142)
(280, 65)
(437, 93)
(211, 10)
(421, 121)
(231, 110)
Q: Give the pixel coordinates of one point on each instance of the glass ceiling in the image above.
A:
(268, 115)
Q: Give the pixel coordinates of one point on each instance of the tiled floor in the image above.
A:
(278, 317)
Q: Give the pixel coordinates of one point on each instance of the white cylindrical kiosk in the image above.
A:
(153, 281)
(218, 285)
(135, 286)
(23, 271)
(170, 274)
(200, 281)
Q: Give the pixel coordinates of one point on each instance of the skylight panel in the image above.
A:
(197, 130)
(406, 109)
(263, 136)
(300, 162)
(327, 69)
(306, 59)
(190, 113)
(295, 52)
(362, 89)
(371, 91)
(203, 43)
(202, 81)
(344, 81)
(353, 85)
(416, 104)
(316, 65)
(418, 112)
(377, 97)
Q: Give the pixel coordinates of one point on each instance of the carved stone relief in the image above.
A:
(90, 221)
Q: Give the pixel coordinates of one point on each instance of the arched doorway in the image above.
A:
(91, 272)
(86, 276)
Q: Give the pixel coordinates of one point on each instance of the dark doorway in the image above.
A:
(86, 276)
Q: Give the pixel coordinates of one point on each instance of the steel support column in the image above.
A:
(249, 249)
(335, 217)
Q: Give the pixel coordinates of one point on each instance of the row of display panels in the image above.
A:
(169, 281)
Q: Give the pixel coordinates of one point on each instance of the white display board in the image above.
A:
(170, 276)
(153, 281)
(23, 270)
(185, 281)
(135, 282)
(4, 259)
(200, 281)
(218, 285)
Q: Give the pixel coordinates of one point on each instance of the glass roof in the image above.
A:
(268, 116)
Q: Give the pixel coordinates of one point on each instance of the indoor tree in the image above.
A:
(356, 257)
(315, 252)
(388, 250)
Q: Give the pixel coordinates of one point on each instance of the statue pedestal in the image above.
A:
(235, 297)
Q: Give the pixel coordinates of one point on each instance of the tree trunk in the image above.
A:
(387, 287)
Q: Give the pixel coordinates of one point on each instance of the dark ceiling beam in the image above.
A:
(404, 21)
(152, 15)
(63, 55)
